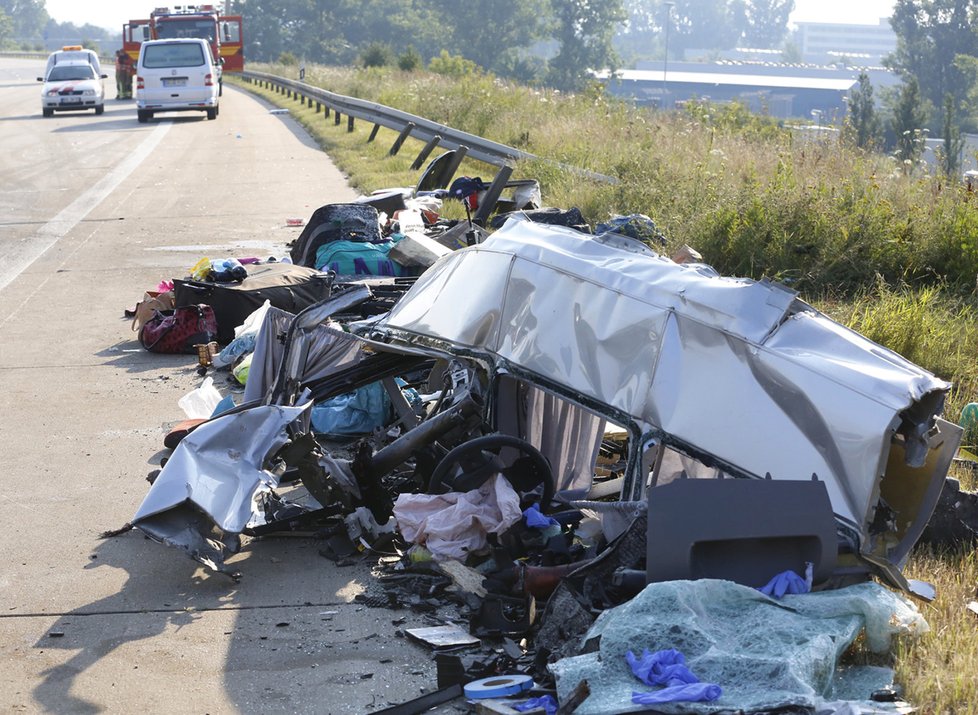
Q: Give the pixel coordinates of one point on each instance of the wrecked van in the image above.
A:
(769, 428)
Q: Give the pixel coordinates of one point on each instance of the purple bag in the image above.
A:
(178, 331)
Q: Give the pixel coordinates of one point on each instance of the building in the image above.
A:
(780, 90)
(778, 96)
(827, 42)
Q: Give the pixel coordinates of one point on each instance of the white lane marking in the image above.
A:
(54, 230)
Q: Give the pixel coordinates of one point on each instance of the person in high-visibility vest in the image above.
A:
(123, 75)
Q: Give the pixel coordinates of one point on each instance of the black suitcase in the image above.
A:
(285, 285)
(335, 222)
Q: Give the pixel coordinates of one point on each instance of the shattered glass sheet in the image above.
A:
(764, 654)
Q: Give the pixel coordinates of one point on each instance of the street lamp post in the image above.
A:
(665, 60)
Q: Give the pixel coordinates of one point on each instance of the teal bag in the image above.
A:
(356, 258)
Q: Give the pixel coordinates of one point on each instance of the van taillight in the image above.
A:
(140, 83)
(209, 80)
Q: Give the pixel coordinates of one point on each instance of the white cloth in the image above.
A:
(452, 525)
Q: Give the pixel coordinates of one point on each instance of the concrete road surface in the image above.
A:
(93, 212)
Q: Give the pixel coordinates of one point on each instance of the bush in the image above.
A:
(376, 54)
(288, 59)
(452, 65)
(410, 61)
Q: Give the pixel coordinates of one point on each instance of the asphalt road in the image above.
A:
(93, 212)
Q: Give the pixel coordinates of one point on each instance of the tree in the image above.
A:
(766, 22)
(6, 30)
(583, 30)
(337, 31)
(27, 17)
(908, 125)
(950, 154)
(862, 126)
(706, 24)
(486, 31)
(410, 60)
(931, 35)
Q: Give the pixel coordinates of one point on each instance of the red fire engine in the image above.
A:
(204, 21)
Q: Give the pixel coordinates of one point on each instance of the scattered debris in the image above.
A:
(498, 686)
(442, 636)
(565, 439)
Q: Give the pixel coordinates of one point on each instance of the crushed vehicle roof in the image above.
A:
(741, 374)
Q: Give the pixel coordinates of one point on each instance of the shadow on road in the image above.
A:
(97, 629)
(132, 357)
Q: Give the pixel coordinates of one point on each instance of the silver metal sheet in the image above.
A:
(220, 466)
(738, 370)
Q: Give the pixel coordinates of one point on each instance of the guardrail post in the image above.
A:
(492, 195)
(446, 176)
(302, 100)
(428, 148)
(349, 122)
(336, 120)
(405, 133)
(319, 106)
(373, 133)
(325, 111)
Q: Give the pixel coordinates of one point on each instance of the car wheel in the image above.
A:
(212, 113)
(99, 109)
(142, 116)
(47, 112)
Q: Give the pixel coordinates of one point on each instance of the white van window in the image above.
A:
(175, 55)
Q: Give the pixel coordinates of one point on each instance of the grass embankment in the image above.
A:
(895, 256)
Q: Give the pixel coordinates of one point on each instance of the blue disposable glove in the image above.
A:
(690, 692)
(546, 702)
(785, 582)
(534, 517)
(664, 667)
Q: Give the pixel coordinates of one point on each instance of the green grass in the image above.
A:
(938, 669)
(894, 257)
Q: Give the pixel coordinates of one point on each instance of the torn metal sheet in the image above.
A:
(739, 373)
(216, 471)
(312, 348)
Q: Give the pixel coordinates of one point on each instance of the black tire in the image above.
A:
(212, 113)
(47, 112)
(100, 109)
(142, 116)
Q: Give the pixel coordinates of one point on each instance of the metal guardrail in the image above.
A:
(407, 125)
(30, 55)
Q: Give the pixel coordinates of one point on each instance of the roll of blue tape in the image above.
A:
(498, 686)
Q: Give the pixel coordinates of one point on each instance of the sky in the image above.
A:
(113, 13)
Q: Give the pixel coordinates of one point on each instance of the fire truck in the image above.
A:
(204, 21)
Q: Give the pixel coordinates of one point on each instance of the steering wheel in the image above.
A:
(479, 462)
